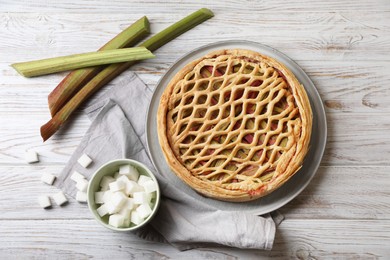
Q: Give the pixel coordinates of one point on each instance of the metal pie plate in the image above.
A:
(292, 187)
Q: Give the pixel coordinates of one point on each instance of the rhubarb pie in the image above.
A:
(234, 125)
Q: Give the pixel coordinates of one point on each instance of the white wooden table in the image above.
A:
(344, 46)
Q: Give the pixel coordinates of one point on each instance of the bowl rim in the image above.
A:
(91, 196)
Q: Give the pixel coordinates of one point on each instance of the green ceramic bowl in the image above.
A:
(109, 169)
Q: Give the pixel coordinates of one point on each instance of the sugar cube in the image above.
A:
(102, 210)
(44, 201)
(116, 220)
(136, 218)
(143, 178)
(31, 156)
(117, 185)
(129, 204)
(84, 160)
(105, 188)
(48, 178)
(105, 182)
(82, 185)
(144, 210)
(123, 178)
(126, 223)
(76, 176)
(118, 199)
(141, 197)
(149, 186)
(116, 175)
(99, 197)
(81, 196)
(149, 196)
(107, 196)
(111, 208)
(60, 198)
(125, 212)
(129, 171)
(131, 187)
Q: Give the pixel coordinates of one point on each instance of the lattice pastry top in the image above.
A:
(234, 124)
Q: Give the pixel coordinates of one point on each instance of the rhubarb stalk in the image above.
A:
(83, 60)
(114, 70)
(78, 78)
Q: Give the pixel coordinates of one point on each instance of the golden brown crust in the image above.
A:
(234, 125)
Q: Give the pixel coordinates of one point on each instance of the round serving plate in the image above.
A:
(292, 187)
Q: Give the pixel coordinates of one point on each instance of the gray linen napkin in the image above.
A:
(118, 131)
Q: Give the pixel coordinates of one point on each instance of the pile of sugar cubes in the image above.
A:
(60, 198)
(127, 197)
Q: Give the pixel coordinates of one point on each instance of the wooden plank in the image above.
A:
(229, 7)
(21, 187)
(343, 192)
(345, 86)
(303, 36)
(342, 45)
(332, 194)
(295, 239)
(353, 138)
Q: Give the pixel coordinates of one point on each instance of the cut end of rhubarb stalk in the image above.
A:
(177, 29)
(207, 12)
(48, 129)
(16, 67)
(145, 24)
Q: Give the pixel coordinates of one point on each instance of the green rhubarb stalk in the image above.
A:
(83, 60)
(78, 78)
(114, 70)
(177, 29)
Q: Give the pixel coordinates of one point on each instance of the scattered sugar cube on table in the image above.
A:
(82, 185)
(44, 201)
(84, 160)
(76, 176)
(31, 156)
(48, 178)
(60, 198)
(81, 196)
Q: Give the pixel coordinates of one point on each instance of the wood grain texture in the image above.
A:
(303, 36)
(365, 142)
(166, 7)
(351, 86)
(296, 239)
(343, 46)
(324, 198)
